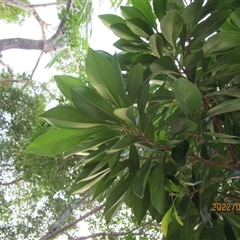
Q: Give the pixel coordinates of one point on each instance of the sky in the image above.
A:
(25, 60)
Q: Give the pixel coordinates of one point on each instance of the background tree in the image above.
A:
(159, 122)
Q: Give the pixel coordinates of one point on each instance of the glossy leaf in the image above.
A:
(90, 102)
(120, 83)
(206, 151)
(133, 161)
(183, 207)
(190, 13)
(187, 95)
(70, 117)
(126, 114)
(159, 8)
(187, 229)
(124, 142)
(179, 152)
(110, 19)
(140, 207)
(58, 140)
(102, 76)
(228, 230)
(210, 25)
(225, 107)
(156, 44)
(116, 195)
(132, 12)
(157, 187)
(139, 27)
(221, 42)
(145, 8)
(182, 125)
(134, 82)
(235, 17)
(164, 65)
(140, 181)
(205, 215)
(165, 221)
(86, 184)
(122, 30)
(65, 83)
(171, 25)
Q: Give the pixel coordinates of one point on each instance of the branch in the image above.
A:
(61, 26)
(28, 8)
(220, 129)
(8, 68)
(11, 80)
(63, 229)
(115, 234)
(39, 58)
(56, 225)
(55, 4)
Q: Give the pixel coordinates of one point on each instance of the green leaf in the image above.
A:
(164, 65)
(182, 125)
(190, 13)
(156, 44)
(58, 140)
(116, 196)
(231, 92)
(85, 184)
(70, 117)
(220, 42)
(210, 25)
(187, 229)
(183, 207)
(205, 215)
(157, 187)
(110, 19)
(133, 161)
(140, 207)
(220, 135)
(235, 17)
(192, 59)
(117, 170)
(134, 82)
(140, 181)
(228, 230)
(131, 47)
(206, 151)
(179, 152)
(187, 95)
(65, 83)
(124, 142)
(90, 102)
(102, 76)
(225, 107)
(165, 221)
(233, 174)
(139, 27)
(171, 26)
(132, 12)
(126, 114)
(145, 8)
(122, 30)
(160, 8)
(120, 83)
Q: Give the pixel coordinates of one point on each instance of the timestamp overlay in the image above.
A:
(225, 207)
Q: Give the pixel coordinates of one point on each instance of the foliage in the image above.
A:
(11, 14)
(158, 124)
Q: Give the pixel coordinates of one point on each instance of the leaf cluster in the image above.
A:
(157, 125)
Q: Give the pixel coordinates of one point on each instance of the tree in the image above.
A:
(158, 123)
